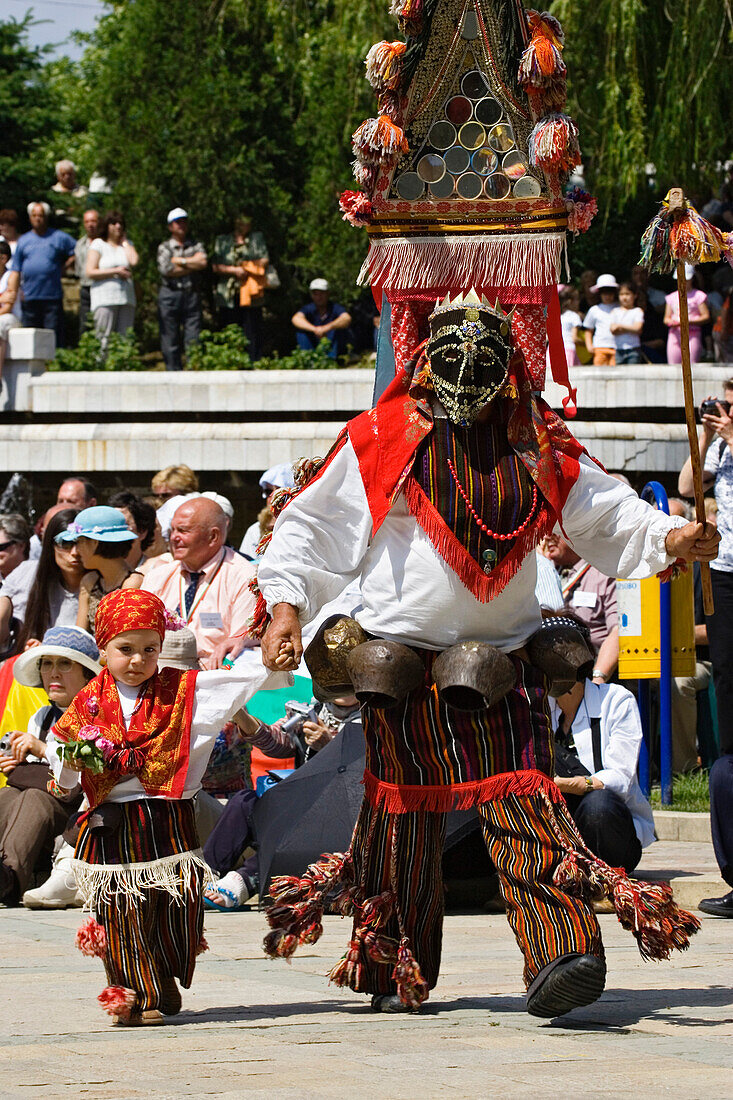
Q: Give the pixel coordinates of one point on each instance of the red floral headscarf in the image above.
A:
(128, 609)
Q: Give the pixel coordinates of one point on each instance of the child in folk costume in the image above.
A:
(138, 861)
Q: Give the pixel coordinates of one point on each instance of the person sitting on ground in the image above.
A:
(599, 340)
(239, 880)
(321, 317)
(30, 817)
(598, 738)
(104, 540)
(141, 519)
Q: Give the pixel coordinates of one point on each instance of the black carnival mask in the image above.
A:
(468, 351)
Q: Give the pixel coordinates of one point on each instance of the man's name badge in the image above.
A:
(211, 620)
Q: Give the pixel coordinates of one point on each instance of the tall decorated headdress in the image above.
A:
(462, 170)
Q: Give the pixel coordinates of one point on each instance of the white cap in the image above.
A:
(176, 213)
(605, 282)
(318, 284)
(689, 271)
(279, 476)
(224, 502)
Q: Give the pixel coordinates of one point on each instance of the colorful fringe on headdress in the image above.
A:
(647, 910)
(379, 139)
(356, 208)
(365, 174)
(671, 238)
(553, 144)
(384, 65)
(582, 209)
(409, 16)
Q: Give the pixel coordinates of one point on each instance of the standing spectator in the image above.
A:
(588, 296)
(180, 259)
(91, 228)
(642, 289)
(240, 260)
(570, 321)
(626, 323)
(599, 340)
(110, 262)
(207, 583)
(9, 228)
(174, 481)
(40, 258)
(591, 596)
(66, 183)
(698, 313)
(76, 492)
(321, 317)
(10, 311)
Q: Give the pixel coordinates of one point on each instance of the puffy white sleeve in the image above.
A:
(221, 692)
(65, 777)
(610, 527)
(620, 717)
(319, 541)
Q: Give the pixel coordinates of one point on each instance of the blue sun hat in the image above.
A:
(58, 641)
(100, 523)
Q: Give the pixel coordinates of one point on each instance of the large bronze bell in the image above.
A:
(326, 656)
(561, 650)
(384, 672)
(471, 676)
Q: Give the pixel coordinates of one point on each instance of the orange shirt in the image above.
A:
(223, 603)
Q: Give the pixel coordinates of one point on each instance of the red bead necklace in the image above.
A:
(480, 523)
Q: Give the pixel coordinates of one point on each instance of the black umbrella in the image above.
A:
(314, 810)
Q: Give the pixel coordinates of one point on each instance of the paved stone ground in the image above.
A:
(264, 1029)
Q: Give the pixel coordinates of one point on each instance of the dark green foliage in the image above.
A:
(122, 353)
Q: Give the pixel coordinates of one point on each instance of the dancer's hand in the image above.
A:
(693, 542)
(282, 645)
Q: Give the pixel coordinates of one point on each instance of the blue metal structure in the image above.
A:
(654, 493)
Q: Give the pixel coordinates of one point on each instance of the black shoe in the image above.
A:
(718, 907)
(576, 980)
(389, 1002)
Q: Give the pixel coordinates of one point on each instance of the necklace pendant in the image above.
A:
(489, 558)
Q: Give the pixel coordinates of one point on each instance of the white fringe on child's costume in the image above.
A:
(107, 881)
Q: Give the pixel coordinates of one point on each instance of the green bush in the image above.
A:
(227, 350)
(122, 353)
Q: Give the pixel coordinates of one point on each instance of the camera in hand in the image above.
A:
(709, 406)
(297, 715)
(5, 747)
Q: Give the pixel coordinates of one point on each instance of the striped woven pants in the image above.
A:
(403, 852)
(152, 939)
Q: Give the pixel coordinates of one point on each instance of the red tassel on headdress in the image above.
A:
(380, 139)
(553, 144)
(542, 61)
(384, 65)
(356, 208)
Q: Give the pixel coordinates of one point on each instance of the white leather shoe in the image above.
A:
(59, 891)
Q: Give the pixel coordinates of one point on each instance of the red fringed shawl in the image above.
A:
(159, 733)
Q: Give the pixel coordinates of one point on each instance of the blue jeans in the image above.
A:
(309, 342)
(45, 313)
(628, 355)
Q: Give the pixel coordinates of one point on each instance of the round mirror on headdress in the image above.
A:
(431, 168)
(501, 138)
(484, 161)
(514, 165)
(458, 110)
(457, 159)
(527, 188)
(488, 111)
(469, 186)
(442, 135)
(474, 84)
(472, 135)
(443, 188)
(409, 186)
(497, 186)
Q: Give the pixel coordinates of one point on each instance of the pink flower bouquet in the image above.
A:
(90, 750)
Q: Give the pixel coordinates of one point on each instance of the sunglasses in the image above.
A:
(7, 545)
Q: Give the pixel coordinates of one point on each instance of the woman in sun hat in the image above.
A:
(30, 817)
(599, 340)
(104, 540)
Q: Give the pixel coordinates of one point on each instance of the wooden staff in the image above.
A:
(678, 207)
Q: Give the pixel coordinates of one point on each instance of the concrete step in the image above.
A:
(680, 825)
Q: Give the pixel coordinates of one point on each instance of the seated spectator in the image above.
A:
(10, 311)
(277, 477)
(591, 596)
(110, 260)
(232, 833)
(141, 520)
(51, 597)
(9, 232)
(626, 324)
(77, 492)
(39, 261)
(207, 583)
(174, 481)
(30, 817)
(598, 730)
(103, 540)
(599, 340)
(321, 317)
(16, 571)
(548, 589)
